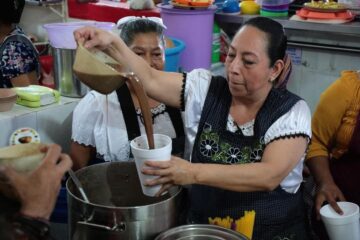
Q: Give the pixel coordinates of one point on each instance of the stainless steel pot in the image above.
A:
(200, 232)
(118, 209)
(65, 80)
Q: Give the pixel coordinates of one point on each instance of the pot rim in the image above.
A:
(165, 201)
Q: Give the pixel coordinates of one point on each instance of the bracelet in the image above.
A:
(37, 227)
(182, 97)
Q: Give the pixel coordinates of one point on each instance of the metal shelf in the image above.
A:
(52, 5)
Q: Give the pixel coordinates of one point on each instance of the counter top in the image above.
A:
(19, 110)
(334, 37)
(52, 122)
(351, 28)
(106, 11)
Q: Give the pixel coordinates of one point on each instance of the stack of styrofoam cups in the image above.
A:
(274, 8)
(341, 227)
(142, 153)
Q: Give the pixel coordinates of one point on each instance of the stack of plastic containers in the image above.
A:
(215, 53)
(274, 8)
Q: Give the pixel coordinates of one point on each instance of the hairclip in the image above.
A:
(127, 19)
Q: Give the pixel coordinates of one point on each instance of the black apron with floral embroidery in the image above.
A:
(279, 215)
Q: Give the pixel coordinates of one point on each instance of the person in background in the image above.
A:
(334, 153)
(248, 139)
(103, 125)
(19, 60)
(36, 192)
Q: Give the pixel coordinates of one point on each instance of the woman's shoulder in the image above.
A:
(347, 84)
(198, 75)
(99, 97)
(94, 101)
(349, 79)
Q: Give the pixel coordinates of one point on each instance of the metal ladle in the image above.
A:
(78, 185)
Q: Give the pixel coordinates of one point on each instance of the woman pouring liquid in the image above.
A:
(248, 138)
(104, 125)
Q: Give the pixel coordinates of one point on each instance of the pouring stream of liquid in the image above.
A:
(144, 106)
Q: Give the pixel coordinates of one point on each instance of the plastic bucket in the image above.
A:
(195, 28)
(61, 35)
(172, 55)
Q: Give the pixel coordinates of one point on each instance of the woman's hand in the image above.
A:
(177, 171)
(91, 37)
(39, 189)
(330, 193)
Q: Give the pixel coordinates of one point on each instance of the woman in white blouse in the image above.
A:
(103, 125)
(248, 139)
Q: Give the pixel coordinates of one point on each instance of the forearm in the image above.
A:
(155, 82)
(241, 178)
(319, 168)
(81, 154)
(25, 79)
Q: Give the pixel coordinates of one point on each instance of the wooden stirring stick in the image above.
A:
(144, 106)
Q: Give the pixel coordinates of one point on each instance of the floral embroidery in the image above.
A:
(290, 237)
(208, 147)
(219, 151)
(233, 155)
(256, 155)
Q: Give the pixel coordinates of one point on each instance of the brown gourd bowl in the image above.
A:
(23, 158)
(98, 70)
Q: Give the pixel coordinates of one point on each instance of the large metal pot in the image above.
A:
(200, 232)
(118, 209)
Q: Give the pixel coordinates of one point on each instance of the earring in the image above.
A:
(271, 80)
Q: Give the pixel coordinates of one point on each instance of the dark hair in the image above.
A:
(11, 10)
(277, 41)
(142, 25)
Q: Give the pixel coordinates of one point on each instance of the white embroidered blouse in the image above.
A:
(296, 121)
(98, 122)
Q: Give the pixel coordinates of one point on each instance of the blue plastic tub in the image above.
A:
(172, 55)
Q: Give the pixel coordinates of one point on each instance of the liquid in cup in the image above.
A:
(141, 152)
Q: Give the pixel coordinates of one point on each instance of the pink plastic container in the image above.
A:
(61, 35)
(194, 27)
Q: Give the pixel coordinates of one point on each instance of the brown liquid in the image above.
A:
(144, 106)
(112, 80)
(143, 102)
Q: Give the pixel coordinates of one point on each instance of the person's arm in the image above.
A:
(156, 83)
(37, 191)
(325, 124)
(25, 79)
(85, 117)
(326, 189)
(266, 175)
(81, 154)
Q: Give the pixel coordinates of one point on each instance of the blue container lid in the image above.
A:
(178, 47)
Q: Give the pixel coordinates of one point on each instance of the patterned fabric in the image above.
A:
(279, 214)
(17, 57)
